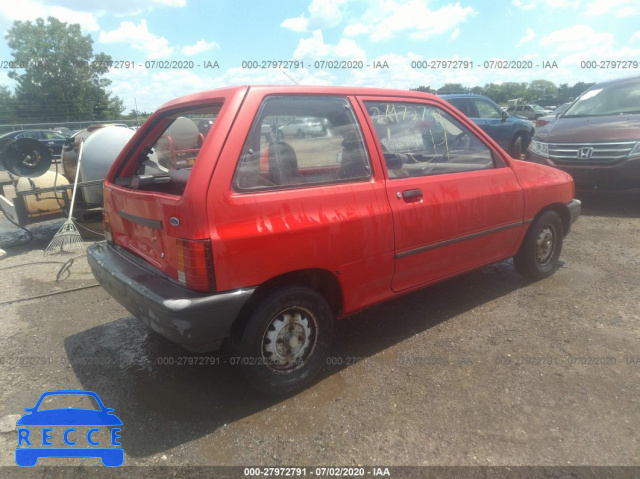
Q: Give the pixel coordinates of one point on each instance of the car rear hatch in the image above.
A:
(155, 192)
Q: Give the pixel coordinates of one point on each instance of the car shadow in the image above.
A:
(610, 204)
(163, 406)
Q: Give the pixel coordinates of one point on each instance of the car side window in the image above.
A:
(302, 141)
(465, 106)
(423, 140)
(30, 134)
(487, 110)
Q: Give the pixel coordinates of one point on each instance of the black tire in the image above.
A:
(284, 343)
(518, 146)
(540, 251)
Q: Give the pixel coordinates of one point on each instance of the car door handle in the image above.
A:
(411, 196)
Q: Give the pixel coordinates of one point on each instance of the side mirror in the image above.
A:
(504, 115)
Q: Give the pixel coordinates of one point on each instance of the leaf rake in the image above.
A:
(68, 239)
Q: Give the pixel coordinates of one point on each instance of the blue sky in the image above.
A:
(398, 32)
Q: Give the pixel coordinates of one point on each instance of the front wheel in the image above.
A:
(519, 146)
(540, 251)
(285, 341)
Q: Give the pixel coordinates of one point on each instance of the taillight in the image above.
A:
(195, 264)
(106, 226)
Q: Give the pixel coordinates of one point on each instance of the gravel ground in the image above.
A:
(487, 369)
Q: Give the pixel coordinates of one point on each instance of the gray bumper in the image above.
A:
(575, 207)
(198, 322)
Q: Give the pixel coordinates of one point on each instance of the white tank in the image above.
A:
(99, 152)
(46, 203)
(184, 133)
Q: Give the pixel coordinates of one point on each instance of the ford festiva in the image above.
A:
(597, 140)
(261, 243)
(511, 132)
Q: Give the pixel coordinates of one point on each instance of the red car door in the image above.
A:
(455, 204)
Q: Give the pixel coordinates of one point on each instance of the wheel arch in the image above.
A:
(322, 281)
(521, 131)
(563, 212)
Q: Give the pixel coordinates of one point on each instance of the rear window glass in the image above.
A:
(168, 156)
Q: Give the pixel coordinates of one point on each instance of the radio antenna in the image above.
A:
(289, 77)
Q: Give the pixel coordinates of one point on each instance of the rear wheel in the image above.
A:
(540, 251)
(285, 341)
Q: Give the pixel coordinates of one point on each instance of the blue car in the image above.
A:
(31, 447)
(512, 133)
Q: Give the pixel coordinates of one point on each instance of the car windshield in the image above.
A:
(612, 100)
(561, 109)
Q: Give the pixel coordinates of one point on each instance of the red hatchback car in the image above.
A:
(242, 237)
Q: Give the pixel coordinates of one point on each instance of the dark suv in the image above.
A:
(597, 139)
(511, 132)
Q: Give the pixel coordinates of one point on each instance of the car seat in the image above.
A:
(283, 164)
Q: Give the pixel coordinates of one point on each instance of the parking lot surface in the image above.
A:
(485, 369)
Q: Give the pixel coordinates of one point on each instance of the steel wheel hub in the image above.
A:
(289, 340)
(545, 244)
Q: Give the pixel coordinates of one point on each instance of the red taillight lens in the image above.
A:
(195, 264)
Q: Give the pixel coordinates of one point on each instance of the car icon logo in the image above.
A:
(69, 432)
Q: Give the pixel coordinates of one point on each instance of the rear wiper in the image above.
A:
(137, 181)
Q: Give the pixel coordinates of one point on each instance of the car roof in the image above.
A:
(294, 90)
(463, 95)
(617, 81)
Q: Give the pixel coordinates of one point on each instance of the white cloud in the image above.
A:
(530, 35)
(386, 19)
(297, 24)
(31, 9)
(455, 34)
(578, 38)
(622, 8)
(545, 4)
(635, 37)
(115, 7)
(322, 14)
(315, 48)
(140, 38)
(200, 47)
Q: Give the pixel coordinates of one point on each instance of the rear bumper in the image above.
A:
(621, 176)
(198, 322)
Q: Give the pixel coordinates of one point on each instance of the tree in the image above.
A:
(452, 88)
(7, 105)
(63, 80)
(425, 89)
(540, 88)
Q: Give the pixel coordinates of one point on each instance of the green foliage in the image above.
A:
(425, 89)
(7, 106)
(63, 79)
(452, 88)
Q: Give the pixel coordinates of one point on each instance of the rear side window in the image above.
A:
(302, 141)
(423, 140)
